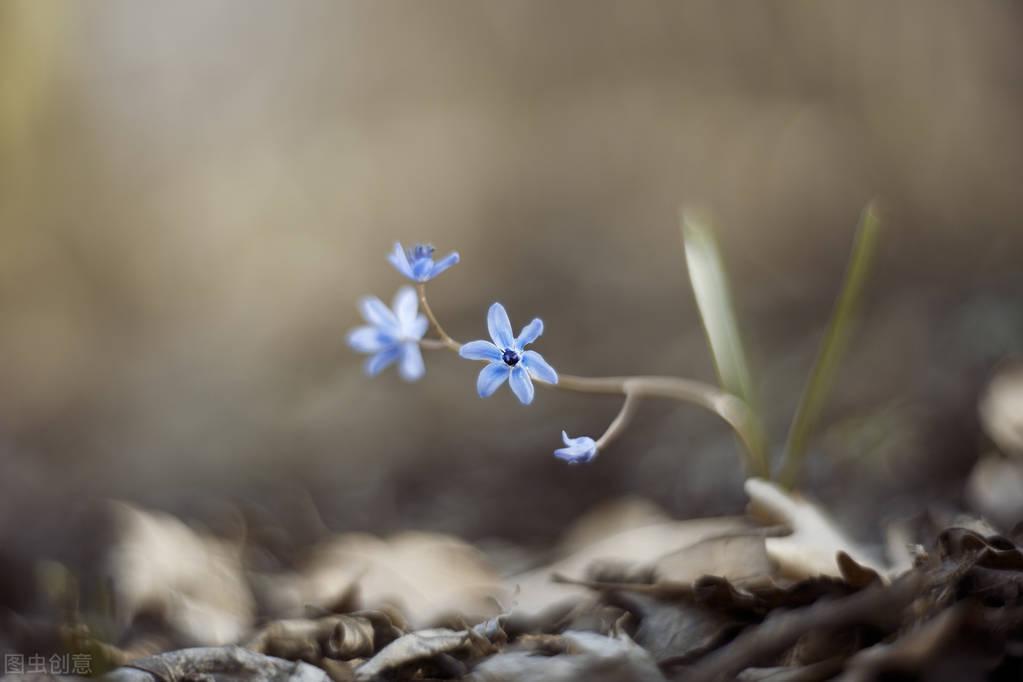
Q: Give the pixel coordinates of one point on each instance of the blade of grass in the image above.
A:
(832, 347)
(713, 298)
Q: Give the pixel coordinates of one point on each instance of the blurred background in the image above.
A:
(193, 196)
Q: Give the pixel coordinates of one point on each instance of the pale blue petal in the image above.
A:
(399, 260)
(411, 367)
(406, 307)
(521, 385)
(444, 263)
(377, 314)
(530, 333)
(421, 268)
(491, 377)
(368, 339)
(417, 328)
(480, 350)
(499, 326)
(578, 450)
(538, 367)
(382, 360)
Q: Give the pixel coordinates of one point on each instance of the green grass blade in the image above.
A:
(713, 298)
(832, 348)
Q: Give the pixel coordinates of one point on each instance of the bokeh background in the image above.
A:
(193, 195)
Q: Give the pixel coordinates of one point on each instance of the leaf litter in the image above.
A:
(779, 594)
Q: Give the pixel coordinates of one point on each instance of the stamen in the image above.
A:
(420, 251)
(510, 357)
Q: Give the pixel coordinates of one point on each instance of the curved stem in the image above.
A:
(445, 339)
(727, 406)
(620, 422)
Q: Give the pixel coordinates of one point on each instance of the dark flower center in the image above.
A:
(420, 251)
(510, 357)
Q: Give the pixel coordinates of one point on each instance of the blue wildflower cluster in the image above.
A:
(395, 335)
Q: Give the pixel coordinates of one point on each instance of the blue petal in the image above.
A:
(368, 339)
(417, 328)
(579, 450)
(382, 360)
(521, 385)
(444, 263)
(421, 268)
(538, 367)
(406, 307)
(530, 333)
(491, 377)
(411, 367)
(499, 326)
(480, 350)
(399, 260)
(377, 314)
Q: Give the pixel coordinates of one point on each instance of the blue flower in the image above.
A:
(507, 359)
(417, 263)
(577, 450)
(392, 335)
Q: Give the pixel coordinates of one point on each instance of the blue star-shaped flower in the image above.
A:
(577, 450)
(417, 263)
(507, 359)
(392, 335)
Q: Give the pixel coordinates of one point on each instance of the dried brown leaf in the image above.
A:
(995, 489)
(411, 648)
(1001, 409)
(337, 637)
(640, 547)
(812, 548)
(194, 580)
(424, 575)
(226, 663)
(735, 557)
(580, 657)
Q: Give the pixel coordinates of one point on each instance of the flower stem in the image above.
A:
(620, 422)
(445, 340)
(733, 410)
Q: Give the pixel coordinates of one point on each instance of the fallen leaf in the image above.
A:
(412, 648)
(213, 663)
(995, 489)
(1001, 409)
(338, 637)
(676, 630)
(824, 670)
(194, 580)
(611, 518)
(638, 546)
(813, 547)
(583, 657)
(914, 653)
(735, 557)
(424, 575)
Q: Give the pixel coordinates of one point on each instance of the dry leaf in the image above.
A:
(413, 647)
(339, 637)
(995, 489)
(634, 546)
(195, 581)
(676, 629)
(735, 557)
(912, 653)
(812, 548)
(611, 518)
(587, 657)
(1001, 409)
(425, 575)
(212, 663)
